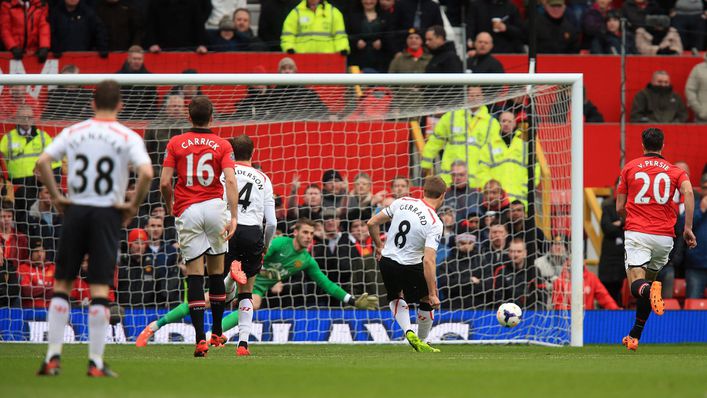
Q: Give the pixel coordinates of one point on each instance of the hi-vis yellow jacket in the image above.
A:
(319, 31)
(461, 134)
(21, 154)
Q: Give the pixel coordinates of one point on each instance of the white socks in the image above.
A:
(401, 313)
(245, 319)
(424, 323)
(98, 315)
(57, 318)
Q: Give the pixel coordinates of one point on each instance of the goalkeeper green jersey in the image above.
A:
(283, 258)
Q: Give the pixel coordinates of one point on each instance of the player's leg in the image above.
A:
(246, 307)
(215, 218)
(661, 247)
(638, 256)
(217, 297)
(391, 273)
(415, 289)
(173, 316)
(250, 254)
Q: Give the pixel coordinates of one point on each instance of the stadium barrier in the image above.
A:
(355, 326)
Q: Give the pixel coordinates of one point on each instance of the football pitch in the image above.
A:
(337, 371)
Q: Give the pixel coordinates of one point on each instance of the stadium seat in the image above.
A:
(679, 288)
(696, 304)
(672, 304)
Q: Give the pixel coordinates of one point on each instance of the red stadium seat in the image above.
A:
(672, 304)
(679, 288)
(696, 304)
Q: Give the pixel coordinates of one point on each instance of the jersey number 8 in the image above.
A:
(660, 197)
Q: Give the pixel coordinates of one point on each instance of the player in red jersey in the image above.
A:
(199, 157)
(645, 200)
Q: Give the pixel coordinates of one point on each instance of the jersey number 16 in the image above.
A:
(202, 167)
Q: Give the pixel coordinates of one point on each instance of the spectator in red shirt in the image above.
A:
(25, 28)
(15, 242)
(594, 290)
(36, 278)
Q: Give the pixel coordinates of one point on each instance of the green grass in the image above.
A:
(390, 371)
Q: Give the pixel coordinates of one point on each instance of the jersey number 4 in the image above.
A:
(104, 179)
(244, 196)
(202, 167)
(661, 180)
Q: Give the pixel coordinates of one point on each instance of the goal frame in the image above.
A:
(404, 79)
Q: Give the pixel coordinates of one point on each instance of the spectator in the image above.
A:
(591, 113)
(9, 283)
(447, 216)
(505, 159)
(472, 224)
(366, 34)
(466, 276)
(332, 253)
(137, 284)
(311, 207)
(593, 290)
(19, 96)
(272, 17)
(244, 38)
(658, 103)
(593, 21)
(516, 281)
(138, 101)
(334, 189)
(168, 222)
(222, 8)
(497, 244)
(609, 40)
(501, 19)
(461, 197)
(45, 222)
(444, 56)
(418, 14)
(175, 25)
(365, 276)
(188, 91)
(76, 27)
(550, 265)
(658, 37)
(480, 58)
(524, 229)
(414, 58)
(164, 260)
(689, 20)
(171, 121)
(635, 12)
(123, 23)
(696, 259)
(400, 187)
(24, 26)
(314, 26)
(611, 262)
(36, 278)
(556, 33)
(461, 134)
(15, 243)
(68, 102)
(20, 148)
(495, 205)
(361, 200)
(696, 91)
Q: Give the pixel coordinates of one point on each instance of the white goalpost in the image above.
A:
(372, 130)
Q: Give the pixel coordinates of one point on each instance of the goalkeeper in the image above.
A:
(285, 257)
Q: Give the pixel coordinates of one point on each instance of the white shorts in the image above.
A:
(200, 229)
(646, 250)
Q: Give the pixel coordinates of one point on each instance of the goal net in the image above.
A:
(338, 149)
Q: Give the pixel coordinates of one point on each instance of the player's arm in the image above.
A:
(364, 301)
(374, 229)
(621, 195)
(686, 191)
(429, 264)
(232, 198)
(166, 187)
(54, 151)
(270, 217)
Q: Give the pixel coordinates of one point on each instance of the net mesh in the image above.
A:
(380, 140)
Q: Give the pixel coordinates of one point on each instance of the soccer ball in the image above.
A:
(509, 315)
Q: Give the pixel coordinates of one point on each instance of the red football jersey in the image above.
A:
(650, 183)
(198, 157)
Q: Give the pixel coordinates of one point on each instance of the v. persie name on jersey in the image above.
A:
(416, 211)
(106, 136)
(257, 180)
(201, 142)
(654, 163)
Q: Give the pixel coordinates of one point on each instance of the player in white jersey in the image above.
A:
(247, 246)
(100, 152)
(407, 262)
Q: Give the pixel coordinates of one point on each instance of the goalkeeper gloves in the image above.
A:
(365, 302)
(270, 274)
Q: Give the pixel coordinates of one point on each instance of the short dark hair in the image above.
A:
(438, 31)
(237, 10)
(652, 139)
(107, 95)
(242, 147)
(304, 221)
(434, 187)
(200, 110)
(517, 202)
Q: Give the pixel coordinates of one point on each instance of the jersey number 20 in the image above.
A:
(661, 180)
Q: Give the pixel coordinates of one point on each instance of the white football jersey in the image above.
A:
(414, 226)
(255, 193)
(99, 154)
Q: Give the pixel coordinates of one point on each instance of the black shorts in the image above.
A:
(408, 279)
(94, 231)
(246, 246)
